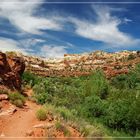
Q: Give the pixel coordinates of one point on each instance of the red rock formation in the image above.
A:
(84, 64)
(11, 69)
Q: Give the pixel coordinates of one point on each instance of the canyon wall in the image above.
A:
(84, 64)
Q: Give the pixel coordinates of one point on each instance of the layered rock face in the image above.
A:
(11, 69)
(72, 64)
(84, 64)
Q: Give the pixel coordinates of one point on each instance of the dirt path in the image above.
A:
(21, 122)
(19, 125)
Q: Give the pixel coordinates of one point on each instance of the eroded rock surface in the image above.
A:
(11, 69)
(84, 64)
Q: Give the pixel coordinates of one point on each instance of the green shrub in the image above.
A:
(51, 90)
(123, 112)
(119, 81)
(91, 131)
(130, 80)
(97, 85)
(18, 103)
(65, 113)
(40, 93)
(94, 106)
(30, 79)
(116, 114)
(17, 99)
(41, 114)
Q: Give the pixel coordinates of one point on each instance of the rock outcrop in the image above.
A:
(84, 64)
(11, 69)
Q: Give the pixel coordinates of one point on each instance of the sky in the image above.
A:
(52, 28)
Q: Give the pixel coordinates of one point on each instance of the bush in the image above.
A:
(58, 92)
(40, 93)
(41, 114)
(128, 81)
(30, 79)
(65, 113)
(97, 85)
(18, 103)
(92, 131)
(123, 112)
(94, 106)
(116, 114)
(119, 81)
(17, 99)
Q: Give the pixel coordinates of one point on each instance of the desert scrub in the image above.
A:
(91, 131)
(30, 79)
(113, 104)
(65, 113)
(17, 99)
(41, 114)
(97, 85)
(18, 103)
(40, 94)
(123, 112)
(61, 127)
(93, 107)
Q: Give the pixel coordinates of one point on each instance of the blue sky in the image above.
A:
(40, 28)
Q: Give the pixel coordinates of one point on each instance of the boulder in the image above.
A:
(3, 97)
(9, 111)
(11, 69)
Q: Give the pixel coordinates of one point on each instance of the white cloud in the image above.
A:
(10, 45)
(105, 29)
(126, 20)
(30, 42)
(53, 51)
(21, 14)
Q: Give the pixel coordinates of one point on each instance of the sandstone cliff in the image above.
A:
(79, 64)
(83, 64)
(11, 69)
